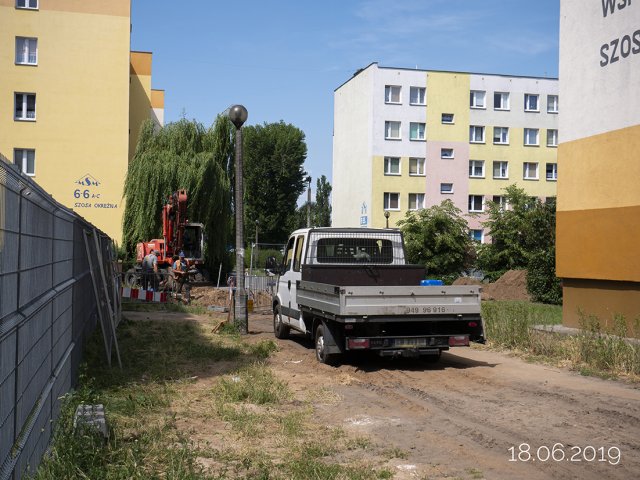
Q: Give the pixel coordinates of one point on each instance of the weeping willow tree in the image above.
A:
(181, 155)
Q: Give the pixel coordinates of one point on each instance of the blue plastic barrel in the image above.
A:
(431, 283)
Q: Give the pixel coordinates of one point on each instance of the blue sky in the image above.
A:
(282, 59)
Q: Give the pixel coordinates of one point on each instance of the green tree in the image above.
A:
(523, 237)
(510, 234)
(274, 156)
(181, 155)
(320, 209)
(438, 238)
(322, 213)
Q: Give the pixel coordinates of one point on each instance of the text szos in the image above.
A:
(620, 48)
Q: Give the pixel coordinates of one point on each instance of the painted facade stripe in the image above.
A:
(608, 164)
(603, 300)
(599, 244)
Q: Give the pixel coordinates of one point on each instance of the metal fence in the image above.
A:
(56, 283)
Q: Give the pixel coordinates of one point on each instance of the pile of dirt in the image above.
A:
(467, 281)
(510, 286)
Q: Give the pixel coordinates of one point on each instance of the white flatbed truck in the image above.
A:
(350, 289)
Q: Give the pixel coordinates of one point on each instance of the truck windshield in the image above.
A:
(354, 250)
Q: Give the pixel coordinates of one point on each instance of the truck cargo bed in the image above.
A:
(389, 301)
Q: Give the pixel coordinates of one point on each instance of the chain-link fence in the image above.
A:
(57, 282)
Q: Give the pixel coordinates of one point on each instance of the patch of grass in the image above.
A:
(255, 384)
(475, 473)
(508, 324)
(594, 351)
(160, 359)
(396, 452)
(606, 351)
(359, 443)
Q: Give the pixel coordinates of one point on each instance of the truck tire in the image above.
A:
(280, 330)
(132, 279)
(321, 353)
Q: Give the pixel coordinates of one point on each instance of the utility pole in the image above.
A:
(309, 202)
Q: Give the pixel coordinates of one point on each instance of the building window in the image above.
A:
(446, 188)
(476, 203)
(446, 153)
(531, 102)
(416, 167)
(417, 95)
(416, 201)
(416, 131)
(501, 101)
(476, 235)
(501, 135)
(391, 165)
(531, 136)
(501, 201)
(392, 94)
(476, 99)
(391, 201)
(476, 168)
(552, 137)
(552, 172)
(476, 134)
(392, 130)
(500, 169)
(33, 4)
(552, 103)
(26, 51)
(26, 160)
(447, 118)
(25, 106)
(530, 171)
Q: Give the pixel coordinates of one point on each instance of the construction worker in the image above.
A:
(150, 270)
(180, 268)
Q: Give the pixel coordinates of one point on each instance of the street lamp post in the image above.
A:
(386, 216)
(238, 115)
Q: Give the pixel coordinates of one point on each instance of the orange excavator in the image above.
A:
(178, 235)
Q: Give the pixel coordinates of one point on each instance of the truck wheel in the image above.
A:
(131, 278)
(321, 351)
(280, 330)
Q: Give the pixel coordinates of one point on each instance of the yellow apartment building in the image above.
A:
(68, 98)
(406, 139)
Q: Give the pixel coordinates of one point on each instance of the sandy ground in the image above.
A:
(464, 413)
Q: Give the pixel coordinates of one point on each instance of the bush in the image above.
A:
(542, 283)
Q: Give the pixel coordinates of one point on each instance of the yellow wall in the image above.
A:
(82, 100)
(140, 96)
(516, 153)
(447, 92)
(403, 184)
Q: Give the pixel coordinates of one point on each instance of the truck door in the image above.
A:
(287, 282)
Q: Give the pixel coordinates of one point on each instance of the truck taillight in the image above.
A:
(473, 324)
(459, 341)
(358, 343)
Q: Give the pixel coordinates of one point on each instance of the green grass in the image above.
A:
(592, 352)
(270, 435)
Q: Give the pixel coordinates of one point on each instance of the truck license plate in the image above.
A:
(410, 342)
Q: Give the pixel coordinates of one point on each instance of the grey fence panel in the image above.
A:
(48, 310)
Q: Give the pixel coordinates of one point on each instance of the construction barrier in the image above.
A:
(144, 295)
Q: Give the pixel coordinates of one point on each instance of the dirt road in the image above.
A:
(475, 414)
